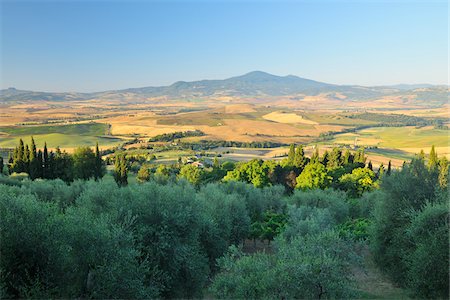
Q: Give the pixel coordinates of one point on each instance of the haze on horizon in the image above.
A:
(96, 46)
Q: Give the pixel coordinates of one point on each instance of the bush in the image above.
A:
(428, 262)
(336, 201)
(310, 267)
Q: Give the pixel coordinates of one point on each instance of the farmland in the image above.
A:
(112, 123)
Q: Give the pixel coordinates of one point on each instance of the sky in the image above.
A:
(90, 46)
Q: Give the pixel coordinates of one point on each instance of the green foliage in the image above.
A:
(307, 220)
(84, 161)
(271, 225)
(143, 174)
(335, 201)
(428, 275)
(121, 170)
(313, 176)
(167, 137)
(394, 251)
(358, 229)
(41, 257)
(255, 172)
(310, 267)
(359, 181)
(192, 173)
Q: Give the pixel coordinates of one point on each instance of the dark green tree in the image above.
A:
(120, 170)
(99, 165)
(63, 165)
(40, 164)
(84, 163)
(389, 169)
(46, 172)
(34, 162)
(369, 165)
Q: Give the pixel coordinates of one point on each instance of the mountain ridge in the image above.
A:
(251, 84)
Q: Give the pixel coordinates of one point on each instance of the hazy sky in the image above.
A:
(100, 45)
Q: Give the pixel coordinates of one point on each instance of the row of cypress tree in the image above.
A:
(83, 163)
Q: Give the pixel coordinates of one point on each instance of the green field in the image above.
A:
(65, 136)
(397, 137)
(92, 129)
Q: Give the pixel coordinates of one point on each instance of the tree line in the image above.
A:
(84, 163)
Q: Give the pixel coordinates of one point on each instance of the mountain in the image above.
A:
(253, 84)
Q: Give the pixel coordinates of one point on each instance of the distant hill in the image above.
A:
(253, 84)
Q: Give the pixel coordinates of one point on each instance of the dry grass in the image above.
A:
(288, 118)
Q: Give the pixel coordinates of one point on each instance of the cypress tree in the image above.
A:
(315, 156)
(26, 159)
(19, 165)
(334, 158)
(369, 165)
(380, 172)
(45, 163)
(98, 164)
(120, 171)
(34, 164)
(1, 164)
(389, 169)
(21, 151)
(51, 165)
(433, 160)
(40, 164)
(347, 158)
(299, 158)
(291, 154)
(325, 158)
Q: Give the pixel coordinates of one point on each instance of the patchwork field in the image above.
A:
(408, 139)
(285, 120)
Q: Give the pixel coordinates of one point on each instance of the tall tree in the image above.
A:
(380, 171)
(325, 158)
(299, 158)
(347, 158)
(45, 163)
(40, 164)
(315, 156)
(99, 169)
(335, 159)
(120, 170)
(1, 165)
(26, 159)
(360, 156)
(433, 159)
(34, 163)
(63, 165)
(291, 153)
(389, 168)
(84, 163)
(369, 165)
